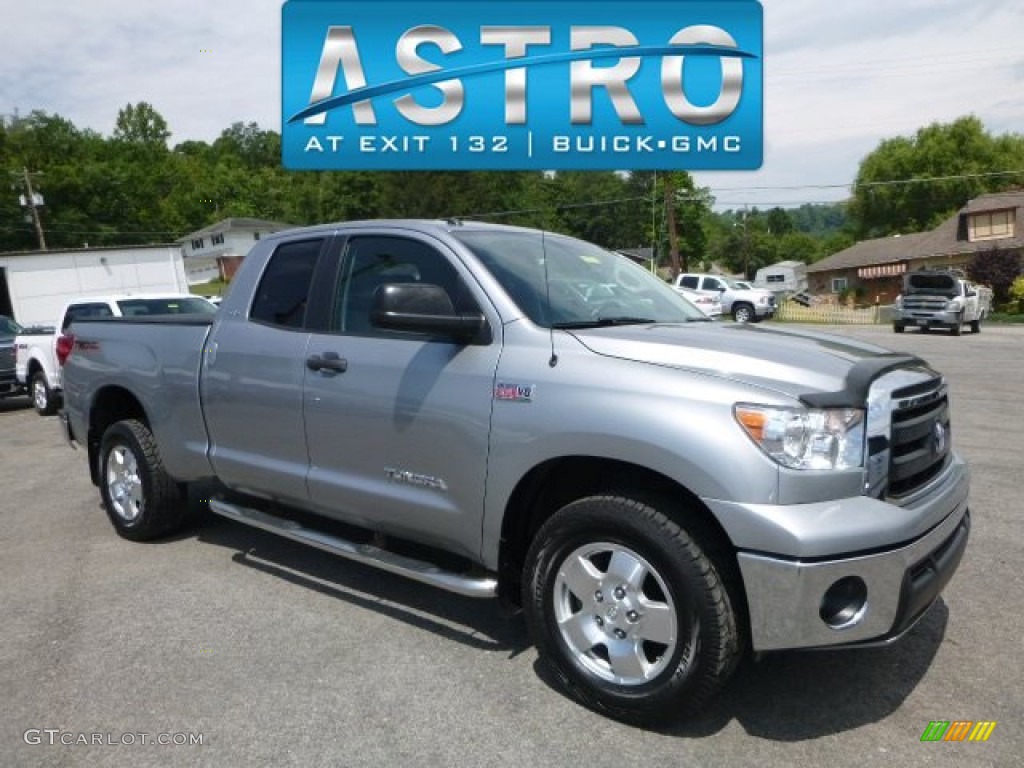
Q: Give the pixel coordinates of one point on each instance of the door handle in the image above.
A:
(330, 363)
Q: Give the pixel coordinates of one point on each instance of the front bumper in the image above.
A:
(9, 385)
(785, 596)
(900, 556)
(912, 319)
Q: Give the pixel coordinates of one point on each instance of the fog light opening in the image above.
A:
(844, 603)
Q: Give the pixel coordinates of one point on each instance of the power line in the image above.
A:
(885, 183)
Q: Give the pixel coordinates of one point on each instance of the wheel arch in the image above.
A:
(551, 485)
(109, 405)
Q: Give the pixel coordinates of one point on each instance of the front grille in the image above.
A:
(920, 438)
(926, 303)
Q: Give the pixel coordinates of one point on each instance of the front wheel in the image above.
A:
(975, 326)
(43, 399)
(743, 313)
(628, 611)
(897, 328)
(142, 500)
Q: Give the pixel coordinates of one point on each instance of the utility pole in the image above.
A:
(670, 218)
(654, 224)
(30, 202)
(746, 245)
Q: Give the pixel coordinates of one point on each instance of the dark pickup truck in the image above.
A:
(9, 331)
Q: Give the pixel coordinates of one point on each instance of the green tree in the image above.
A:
(997, 269)
(255, 148)
(884, 203)
(141, 124)
(779, 222)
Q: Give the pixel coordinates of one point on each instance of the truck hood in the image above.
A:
(791, 362)
(935, 284)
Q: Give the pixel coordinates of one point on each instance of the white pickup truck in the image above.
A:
(746, 305)
(934, 298)
(39, 352)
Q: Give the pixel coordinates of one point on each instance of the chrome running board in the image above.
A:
(470, 585)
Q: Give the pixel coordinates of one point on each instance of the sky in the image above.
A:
(839, 76)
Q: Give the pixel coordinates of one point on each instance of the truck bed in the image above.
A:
(156, 359)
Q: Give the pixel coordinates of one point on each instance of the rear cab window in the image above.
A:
(95, 309)
(283, 293)
(165, 306)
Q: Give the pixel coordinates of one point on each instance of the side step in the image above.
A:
(470, 585)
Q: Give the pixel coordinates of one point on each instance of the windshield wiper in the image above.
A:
(603, 322)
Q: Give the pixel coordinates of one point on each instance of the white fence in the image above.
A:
(831, 314)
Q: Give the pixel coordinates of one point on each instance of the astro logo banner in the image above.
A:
(522, 84)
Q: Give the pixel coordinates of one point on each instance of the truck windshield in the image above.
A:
(561, 282)
(8, 327)
(170, 306)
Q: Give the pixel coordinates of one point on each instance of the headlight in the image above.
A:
(899, 302)
(801, 438)
(954, 306)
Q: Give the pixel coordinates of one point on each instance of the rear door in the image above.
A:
(253, 375)
(398, 428)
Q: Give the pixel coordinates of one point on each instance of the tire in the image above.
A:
(957, 329)
(975, 326)
(644, 648)
(142, 501)
(897, 328)
(743, 313)
(43, 399)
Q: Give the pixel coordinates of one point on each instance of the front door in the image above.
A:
(397, 423)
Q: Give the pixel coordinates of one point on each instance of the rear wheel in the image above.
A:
(43, 399)
(141, 499)
(628, 611)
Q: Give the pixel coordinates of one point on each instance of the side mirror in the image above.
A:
(423, 308)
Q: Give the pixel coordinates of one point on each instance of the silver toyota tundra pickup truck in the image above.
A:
(659, 493)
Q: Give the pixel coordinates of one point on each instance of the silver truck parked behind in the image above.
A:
(941, 299)
(659, 493)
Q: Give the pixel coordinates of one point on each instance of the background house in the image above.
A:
(217, 250)
(876, 267)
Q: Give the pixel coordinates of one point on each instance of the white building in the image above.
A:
(35, 285)
(217, 250)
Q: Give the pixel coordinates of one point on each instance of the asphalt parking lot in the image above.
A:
(280, 655)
